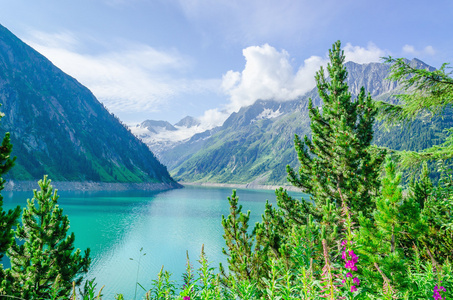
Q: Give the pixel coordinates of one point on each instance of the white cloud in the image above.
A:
(64, 39)
(364, 55)
(410, 50)
(268, 74)
(136, 79)
(213, 118)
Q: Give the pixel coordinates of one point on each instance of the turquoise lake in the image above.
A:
(116, 225)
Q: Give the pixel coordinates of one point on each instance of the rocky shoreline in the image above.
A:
(30, 185)
(251, 186)
(91, 186)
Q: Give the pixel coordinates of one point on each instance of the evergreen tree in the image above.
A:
(7, 219)
(246, 262)
(46, 264)
(438, 212)
(337, 164)
(427, 92)
(396, 226)
(420, 190)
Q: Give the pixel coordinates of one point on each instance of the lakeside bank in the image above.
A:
(30, 185)
(250, 186)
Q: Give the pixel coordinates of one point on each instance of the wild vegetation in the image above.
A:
(361, 236)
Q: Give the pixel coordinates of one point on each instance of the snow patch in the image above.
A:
(181, 134)
(267, 113)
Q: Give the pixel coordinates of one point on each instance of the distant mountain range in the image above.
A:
(59, 128)
(254, 145)
(161, 136)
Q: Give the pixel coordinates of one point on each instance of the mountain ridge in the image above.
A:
(59, 128)
(248, 149)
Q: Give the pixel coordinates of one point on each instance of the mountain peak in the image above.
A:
(157, 126)
(188, 122)
(418, 64)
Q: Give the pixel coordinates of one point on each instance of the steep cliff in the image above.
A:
(59, 128)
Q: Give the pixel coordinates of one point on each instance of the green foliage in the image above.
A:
(162, 287)
(45, 264)
(89, 290)
(420, 190)
(380, 240)
(428, 92)
(335, 164)
(438, 213)
(7, 218)
(244, 261)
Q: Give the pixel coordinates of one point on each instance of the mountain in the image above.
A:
(59, 128)
(161, 136)
(188, 122)
(254, 145)
(157, 126)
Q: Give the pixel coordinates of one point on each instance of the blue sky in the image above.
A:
(165, 59)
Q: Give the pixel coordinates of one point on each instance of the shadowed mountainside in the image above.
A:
(59, 128)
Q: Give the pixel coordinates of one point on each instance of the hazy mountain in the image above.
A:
(188, 122)
(157, 126)
(160, 136)
(59, 128)
(255, 144)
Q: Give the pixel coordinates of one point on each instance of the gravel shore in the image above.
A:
(91, 186)
(251, 186)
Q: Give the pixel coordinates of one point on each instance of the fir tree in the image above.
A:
(337, 164)
(46, 264)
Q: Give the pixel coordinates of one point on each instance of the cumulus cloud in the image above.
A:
(136, 79)
(268, 74)
(363, 55)
(213, 118)
(410, 50)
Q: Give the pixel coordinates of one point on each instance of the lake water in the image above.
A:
(116, 225)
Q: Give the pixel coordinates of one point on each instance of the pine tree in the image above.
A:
(7, 219)
(438, 212)
(395, 227)
(46, 264)
(337, 164)
(420, 190)
(246, 261)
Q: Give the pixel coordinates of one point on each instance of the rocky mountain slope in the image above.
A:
(255, 144)
(161, 136)
(59, 128)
